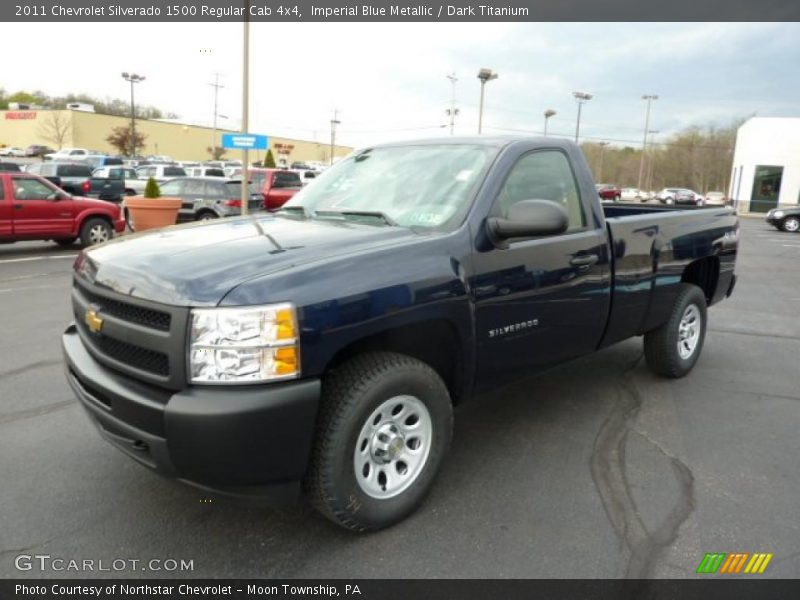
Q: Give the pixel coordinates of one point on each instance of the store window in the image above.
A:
(766, 188)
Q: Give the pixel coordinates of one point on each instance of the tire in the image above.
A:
(686, 327)
(791, 224)
(356, 429)
(95, 231)
(66, 241)
(206, 215)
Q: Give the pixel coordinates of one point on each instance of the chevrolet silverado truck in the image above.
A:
(33, 208)
(322, 348)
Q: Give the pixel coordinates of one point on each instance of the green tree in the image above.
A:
(269, 160)
(151, 189)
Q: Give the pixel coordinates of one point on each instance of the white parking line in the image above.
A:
(791, 245)
(29, 258)
(30, 287)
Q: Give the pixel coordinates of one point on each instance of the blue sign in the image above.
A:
(244, 141)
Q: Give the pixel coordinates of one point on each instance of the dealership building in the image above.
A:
(82, 128)
(766, 164)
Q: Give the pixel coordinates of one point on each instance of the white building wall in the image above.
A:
(767, 141)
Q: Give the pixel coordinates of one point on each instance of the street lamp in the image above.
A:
(452, 112)
(600, 167)
(133, 78)
(581, 98)
(649, 98)
(334, 122)
(547, 114)
(484, 75)
(650, 166)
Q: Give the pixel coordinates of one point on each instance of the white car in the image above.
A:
(159, 172)
(12, 151)
(68, 154)
(716, 199)
(667, 196)
(631, 194)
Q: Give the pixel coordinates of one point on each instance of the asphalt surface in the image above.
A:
(596, 469)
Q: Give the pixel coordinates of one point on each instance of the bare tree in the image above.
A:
(56, 127)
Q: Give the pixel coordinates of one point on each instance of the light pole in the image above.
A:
(547, 114)
(484, 75)
(600, 167)
(216, 85)
(581, 98)
(452, 111)
(334, 123)
(245, 196)
(133, 78)
(649, 98)
(651, 164)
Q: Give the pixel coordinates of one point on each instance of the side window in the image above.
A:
(543, 175)
(214, 190)
(31, 189)
(172, 188)
(193, 187)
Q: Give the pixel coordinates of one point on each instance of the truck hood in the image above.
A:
(199, 263)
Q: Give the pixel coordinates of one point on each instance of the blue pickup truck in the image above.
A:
(322, 348)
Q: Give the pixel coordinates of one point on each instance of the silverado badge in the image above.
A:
(93, 320)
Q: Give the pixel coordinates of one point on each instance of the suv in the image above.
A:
(160, 172)
(68, 154)
(607, 191)
(206, 198)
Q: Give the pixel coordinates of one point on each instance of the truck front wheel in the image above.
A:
(384, 426)
(673, 349)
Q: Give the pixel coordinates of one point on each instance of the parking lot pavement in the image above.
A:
(595, 469)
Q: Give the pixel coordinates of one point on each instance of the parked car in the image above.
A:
(687, 197)
(631, 195)
(607, 191)
(68, 154)
(101, 160)
(328, 342)
(113, 183)
(206, 198)
(276, 185)
(785, 219)
(71, 177)
(306, 175)
(12, 151)
(32, 208)
(716, 199)
(37, 150)
(10, 167)
(160, 172)
(201, 171)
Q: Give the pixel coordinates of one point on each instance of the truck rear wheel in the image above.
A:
(384, 426)
(673, 349)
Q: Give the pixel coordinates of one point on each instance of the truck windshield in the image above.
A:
(428, 186)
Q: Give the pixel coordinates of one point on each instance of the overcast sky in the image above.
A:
(389, 80)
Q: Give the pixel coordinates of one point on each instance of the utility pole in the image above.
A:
(600, 167)
(245, 197)
(133, 78)
(547, 114)
(484, 75)
(581, 98)
(651, 163)
(649, 98)
(334, 122)
(452, 111)
(216, 85)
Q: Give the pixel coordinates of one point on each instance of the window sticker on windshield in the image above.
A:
(464, 175)
(424, 218)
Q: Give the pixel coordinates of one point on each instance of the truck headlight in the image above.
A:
(244, 345)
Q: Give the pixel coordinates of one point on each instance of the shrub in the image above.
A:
(151, 190)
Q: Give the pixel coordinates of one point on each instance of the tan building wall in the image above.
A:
(181, 142)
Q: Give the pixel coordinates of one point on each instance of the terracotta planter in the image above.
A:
(152, 213)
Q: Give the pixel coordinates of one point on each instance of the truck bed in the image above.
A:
(651, 247)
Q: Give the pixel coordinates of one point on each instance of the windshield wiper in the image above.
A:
(359, 213)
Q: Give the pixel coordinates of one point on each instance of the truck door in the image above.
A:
(540, 301)
(39, 210)
(6, 211)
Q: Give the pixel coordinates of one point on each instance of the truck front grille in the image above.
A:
(143, 339)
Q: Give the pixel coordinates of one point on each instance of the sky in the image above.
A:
(389, 81)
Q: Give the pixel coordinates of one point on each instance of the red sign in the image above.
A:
(28, 114)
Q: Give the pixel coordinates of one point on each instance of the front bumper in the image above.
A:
(249, 443)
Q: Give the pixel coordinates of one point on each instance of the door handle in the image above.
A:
(584, 260)
(18, 205)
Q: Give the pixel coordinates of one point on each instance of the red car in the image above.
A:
(276, 185)
(32, 208)
(607, 191)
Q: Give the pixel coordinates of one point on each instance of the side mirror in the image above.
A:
(529, 218)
